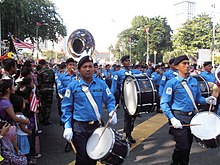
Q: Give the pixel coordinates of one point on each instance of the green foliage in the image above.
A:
(133, 41)
(21, 17)
(193, 35)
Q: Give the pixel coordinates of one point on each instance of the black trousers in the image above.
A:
(183, 138)
(81, 133)
(128, 119)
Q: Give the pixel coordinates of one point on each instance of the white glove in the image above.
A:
(176, 123)
(113, 118)
(211, 98)
(68, 134)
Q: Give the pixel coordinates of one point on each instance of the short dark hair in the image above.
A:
(25, 72)
(8, 63)
(42, 62)
(70, 60)
(4, 85)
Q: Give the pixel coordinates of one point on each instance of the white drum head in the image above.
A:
(209, 128)
(98, 148)
(130, 95)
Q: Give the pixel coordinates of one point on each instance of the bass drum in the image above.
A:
(205, 91)
(204, 86)
(138, 94)
(207, 133)
(110, 148)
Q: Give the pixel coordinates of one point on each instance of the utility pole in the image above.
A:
(213, 36)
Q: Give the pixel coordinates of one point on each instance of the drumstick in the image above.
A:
(187, 125)
(73, 147)
(110, 117)
(210, 106)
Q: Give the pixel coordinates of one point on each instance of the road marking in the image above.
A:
(144, 130)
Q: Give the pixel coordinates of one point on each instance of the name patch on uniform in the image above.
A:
(164, 78)
(169, 91)
(108, 91)
(67, 93)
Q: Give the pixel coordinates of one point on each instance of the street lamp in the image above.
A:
(147, 56)
(38, 24)
(155, 57)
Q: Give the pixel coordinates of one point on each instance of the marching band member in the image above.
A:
(62, 83)
(210, 78)
(167, 75)
(179, 108)
(82, 108)
(118, 79)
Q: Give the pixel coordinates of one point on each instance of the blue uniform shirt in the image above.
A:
(210, 77)
(166, 76)
(63, 81)
(156, 78)
(175, 97)
(76, 105)
(120, 76)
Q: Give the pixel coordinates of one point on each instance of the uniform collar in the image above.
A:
(82, 82)
(180, 78)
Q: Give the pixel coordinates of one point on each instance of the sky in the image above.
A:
(105, 19)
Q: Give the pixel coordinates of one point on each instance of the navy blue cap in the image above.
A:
(180, 59)
(84, 60)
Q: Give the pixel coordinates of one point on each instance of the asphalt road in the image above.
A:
(154, 149)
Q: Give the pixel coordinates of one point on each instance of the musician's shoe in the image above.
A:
(130, 139)
(67, 148)
(159, 111)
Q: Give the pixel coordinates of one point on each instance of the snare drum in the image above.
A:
(138, 94)
(111, 148)
(208, 132)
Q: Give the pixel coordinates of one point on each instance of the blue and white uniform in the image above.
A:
(77, 99)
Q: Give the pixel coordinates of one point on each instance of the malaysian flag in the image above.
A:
(34, 103)
(20, 44)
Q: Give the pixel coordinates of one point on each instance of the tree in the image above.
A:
(134, 40)
(23, 17)
(193, 35)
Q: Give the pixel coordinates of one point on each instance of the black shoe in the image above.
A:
(159, 111)
(67, 148)
(130, 139)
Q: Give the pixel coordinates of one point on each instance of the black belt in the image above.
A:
(88, 122)
(183, 113)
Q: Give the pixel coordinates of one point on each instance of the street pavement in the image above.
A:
(154, 145)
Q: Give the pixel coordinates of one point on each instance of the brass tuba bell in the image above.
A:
(81, 43)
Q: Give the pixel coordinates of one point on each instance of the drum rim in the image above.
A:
(192, 127)
(133, 77)
(111, 146)
(139, 100)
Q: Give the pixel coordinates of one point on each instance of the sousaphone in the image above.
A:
(81, 43)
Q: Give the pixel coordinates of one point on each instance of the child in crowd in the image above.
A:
(22, 129)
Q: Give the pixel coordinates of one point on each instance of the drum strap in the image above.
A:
(190, 94)
(85, 89)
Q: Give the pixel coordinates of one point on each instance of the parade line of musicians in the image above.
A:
(82, 88)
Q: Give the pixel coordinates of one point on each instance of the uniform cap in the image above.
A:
(84, 60)
(180, 59)
(171, 60)
(123, 58)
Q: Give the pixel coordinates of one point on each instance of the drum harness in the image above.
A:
(190, 95)
(85, 89)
